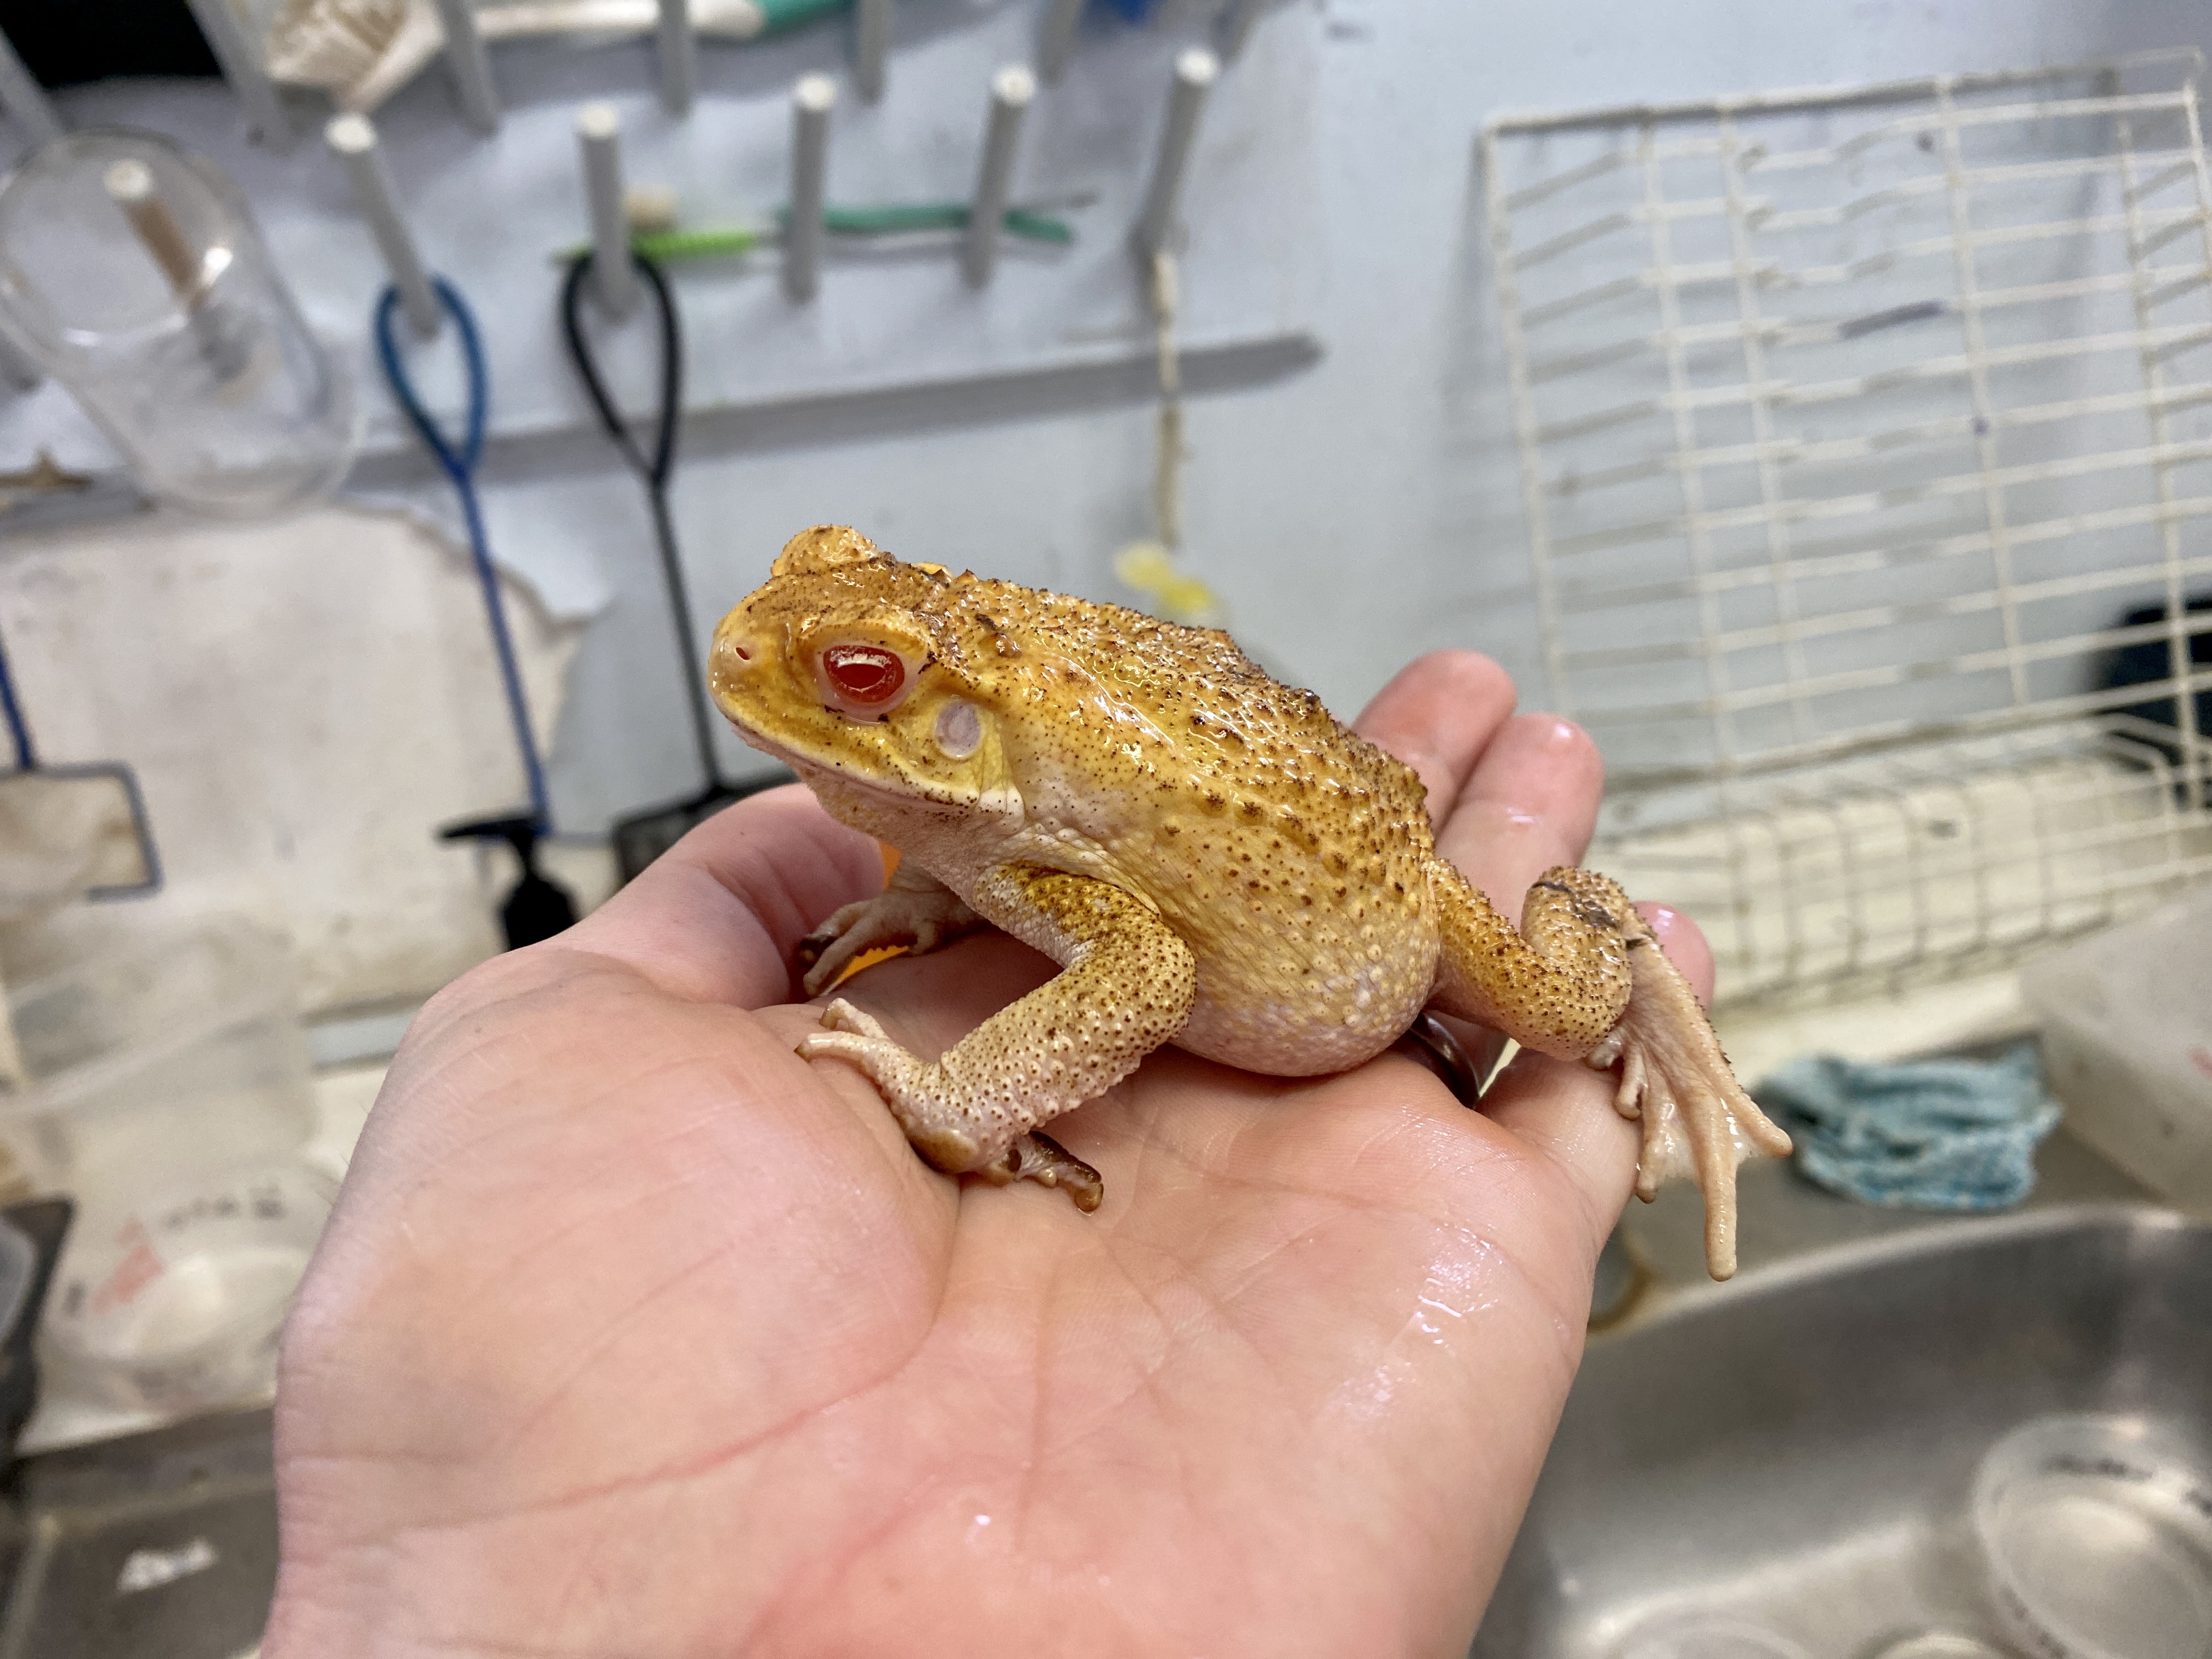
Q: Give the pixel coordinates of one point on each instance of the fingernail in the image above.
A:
(1553, 730)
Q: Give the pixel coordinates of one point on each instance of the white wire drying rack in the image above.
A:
(1866, 450)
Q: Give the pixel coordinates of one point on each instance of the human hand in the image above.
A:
(634, 1334)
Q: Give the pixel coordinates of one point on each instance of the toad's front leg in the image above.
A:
(1126, 987)
(1585, 979)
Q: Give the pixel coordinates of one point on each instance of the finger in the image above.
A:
(1564, 1111)
(1530, 803)
(1686, 947)
(718, 917)
(1437, 715)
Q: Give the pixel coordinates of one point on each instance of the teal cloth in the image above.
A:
(1932, 1134)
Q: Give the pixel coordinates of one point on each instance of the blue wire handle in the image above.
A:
(19, 731)
(460, 466)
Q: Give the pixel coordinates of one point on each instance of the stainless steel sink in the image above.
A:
(163, 1546)
(1797, 1448)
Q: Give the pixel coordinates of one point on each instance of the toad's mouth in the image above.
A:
(936, 801)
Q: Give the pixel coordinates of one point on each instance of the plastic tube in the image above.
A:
(679, 57)
(1195, 72)
(811, 100)
(598, 136)
(1011, 89)
(352, 139)
(871, 45)
(471, 65)
(1056, 39)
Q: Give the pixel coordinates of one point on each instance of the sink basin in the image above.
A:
(163, 1546)
(1795, 1450)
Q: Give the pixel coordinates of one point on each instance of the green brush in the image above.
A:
(900, 219)
(777, 16)
(897, 219)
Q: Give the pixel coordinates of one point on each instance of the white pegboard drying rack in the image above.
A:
(894, 328)
(1866, 442)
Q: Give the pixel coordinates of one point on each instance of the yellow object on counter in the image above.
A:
(1171, 593)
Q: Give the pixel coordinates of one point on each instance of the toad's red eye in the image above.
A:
(865, 674)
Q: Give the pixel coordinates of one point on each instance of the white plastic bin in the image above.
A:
(166, 1087)
(2127, 1044)
(157, 1062)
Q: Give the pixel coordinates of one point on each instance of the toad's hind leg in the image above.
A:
(1585, 979)
(1126, 987)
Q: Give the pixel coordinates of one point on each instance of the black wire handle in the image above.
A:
(654, 472)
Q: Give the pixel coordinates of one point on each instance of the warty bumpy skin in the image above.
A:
(1212, 859)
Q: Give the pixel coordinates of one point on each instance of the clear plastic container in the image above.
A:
(1942, 1644)
(132, 271)
(178, 1055)
(2127, 1044)
(2098, 1534)
(1701, 1636)
(176, 1303)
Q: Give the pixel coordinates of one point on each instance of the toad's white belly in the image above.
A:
(1301, 1024)
(1298, 994)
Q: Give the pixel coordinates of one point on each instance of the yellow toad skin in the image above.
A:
(1211, 858)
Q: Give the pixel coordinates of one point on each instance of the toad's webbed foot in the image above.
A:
(915, 910)
(1698, 1123)
(1585, 979)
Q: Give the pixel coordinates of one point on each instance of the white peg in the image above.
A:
(1195, 72)
(241, 66)
(679, 57)
(811, 100)
(1011, 88)
(599, 135)
(24, 99)
(871, 45)
(129, 184)
(1056, 39)
(353, 141)
(19, 371)
(1237, 27)
(471, 65)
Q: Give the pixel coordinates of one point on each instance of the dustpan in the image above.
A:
(68, 832)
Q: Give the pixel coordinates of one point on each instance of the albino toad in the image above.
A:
(1212, 860)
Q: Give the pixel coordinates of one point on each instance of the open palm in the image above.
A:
(635, 1334)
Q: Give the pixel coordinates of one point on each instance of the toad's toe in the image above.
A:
(1039, 1158)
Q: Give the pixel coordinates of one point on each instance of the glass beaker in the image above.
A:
(131, 270)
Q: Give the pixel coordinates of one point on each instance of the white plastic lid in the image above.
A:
(2098, 1532)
